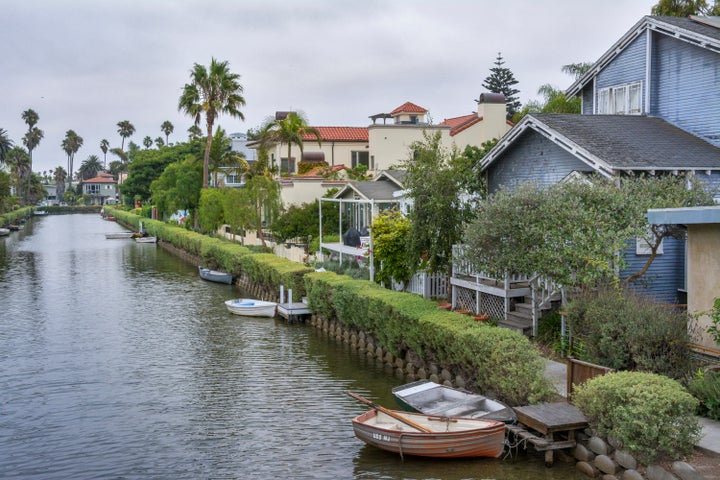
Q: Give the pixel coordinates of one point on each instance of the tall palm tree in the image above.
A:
(211, 91)
(19, 162)
(147, 141)
(167, 128)
(71, 144)
(292, 129)
(125, 129)
(5, 145)
(159, 142)
(31, 139)
(104, 146)
(90, 167)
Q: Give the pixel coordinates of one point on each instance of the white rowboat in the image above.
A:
(251, 308)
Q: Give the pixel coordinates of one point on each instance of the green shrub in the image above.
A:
(651, 416)
(705, 386)
(497, 360)
(625, 331)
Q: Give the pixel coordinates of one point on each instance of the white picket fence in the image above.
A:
(429, 285)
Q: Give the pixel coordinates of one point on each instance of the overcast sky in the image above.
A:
(88, 64)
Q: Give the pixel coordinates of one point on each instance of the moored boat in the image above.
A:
(215, 276)
(4, 232)
(147, 239)
(251, 308)
(114, 235)
(432, 398)
(429, 436)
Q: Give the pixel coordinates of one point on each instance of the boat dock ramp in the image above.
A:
(292, 311)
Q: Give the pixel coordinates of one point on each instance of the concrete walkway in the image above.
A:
(709, 444)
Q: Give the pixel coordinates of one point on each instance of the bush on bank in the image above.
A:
(265, 269)
(651, 416)
(15, 215)
(497, 360)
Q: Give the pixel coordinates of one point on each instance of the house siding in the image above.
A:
(686, 87)
(588, 102)
(533, 158)
(627, 67)
(666, 275)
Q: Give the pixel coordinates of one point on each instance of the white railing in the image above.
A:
(429, 285)
(544, 290)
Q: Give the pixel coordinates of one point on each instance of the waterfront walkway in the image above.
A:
(709, 443)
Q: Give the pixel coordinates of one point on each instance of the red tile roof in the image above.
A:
(408, 107)
(340, 134)
(101, 178)
(458, 124)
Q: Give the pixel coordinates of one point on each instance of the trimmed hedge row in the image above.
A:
(263, 268)
(497, 360)
(15, 215)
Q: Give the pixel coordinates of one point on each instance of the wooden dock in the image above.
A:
(293, 312)
(549, 426)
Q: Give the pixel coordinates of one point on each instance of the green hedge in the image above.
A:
(650, 415)
(15, 215)
(498, 360)
(263, 268)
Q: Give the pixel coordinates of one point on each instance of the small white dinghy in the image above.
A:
(251, 308)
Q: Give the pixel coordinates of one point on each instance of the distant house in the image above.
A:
(649, 105)
(102, 189)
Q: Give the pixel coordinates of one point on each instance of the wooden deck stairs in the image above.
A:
(520, 318)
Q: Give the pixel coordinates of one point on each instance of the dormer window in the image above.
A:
(620, 99)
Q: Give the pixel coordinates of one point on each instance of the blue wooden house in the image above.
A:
(650, 104)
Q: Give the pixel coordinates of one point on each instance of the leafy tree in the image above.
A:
(104, 146)
(390, 232)
(438, 210)
(221, 155)
(301, 221)
(5, 184)
(147, 141)
(211, 91)
(5, 145)
(572, 231)
(70, 145)
(116, 167)
(262, 194)
(31, 139)
(290, 130)
(178, 187)
(685, 8)
(90, 167)
(167, 128)
(126, 130)
(501, 80)
(211, 211)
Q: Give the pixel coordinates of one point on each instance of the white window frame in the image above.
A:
(642, 247)
(625, 99)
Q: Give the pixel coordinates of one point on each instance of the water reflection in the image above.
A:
(117, 361)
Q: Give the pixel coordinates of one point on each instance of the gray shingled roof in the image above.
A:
(687, 23)
(629, 142)
(378, 191)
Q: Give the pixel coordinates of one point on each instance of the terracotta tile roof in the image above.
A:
(340, 134)
(101, 178)
(408, 107)
(458, 124)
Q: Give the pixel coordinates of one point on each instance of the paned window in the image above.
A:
(360, 158)
(620, 100)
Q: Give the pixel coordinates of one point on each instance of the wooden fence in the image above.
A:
(578, 372)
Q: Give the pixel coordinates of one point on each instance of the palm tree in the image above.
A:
(159, 142)
(290, 130)
(147, 141)
(31, 139)
(19, 162)
(70, 145)
(125, 129)
(167, 129)
(104, 146)
(194, 132)
(5, 145)
(60, 175)
(90, 167)
(211, 91)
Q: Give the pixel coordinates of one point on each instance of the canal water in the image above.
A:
(118, 362)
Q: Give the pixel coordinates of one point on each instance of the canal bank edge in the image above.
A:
(443, 375)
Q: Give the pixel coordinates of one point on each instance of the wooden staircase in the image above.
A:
(521, 318)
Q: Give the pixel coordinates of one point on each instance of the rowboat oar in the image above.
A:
(390, 413)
